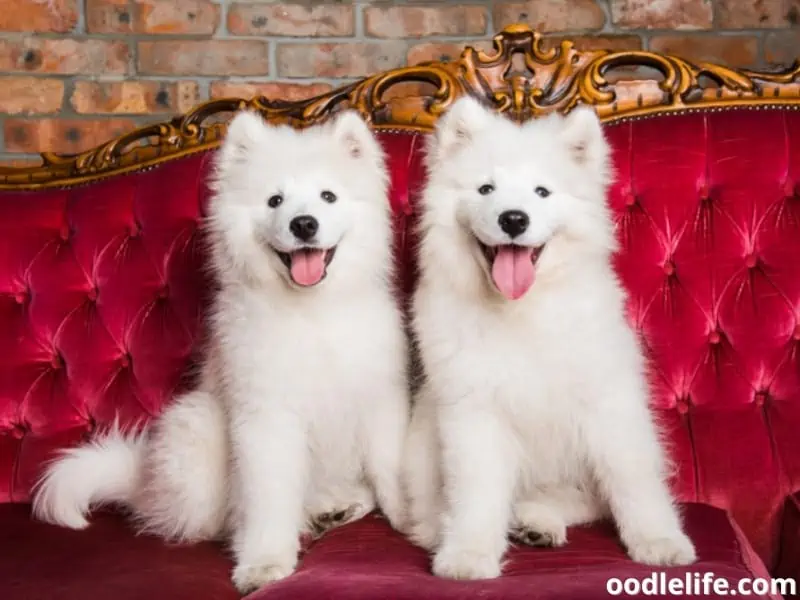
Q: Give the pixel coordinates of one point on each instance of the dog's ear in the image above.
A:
(583, 135)
(354, 135)
(246, 132)
(460, 124)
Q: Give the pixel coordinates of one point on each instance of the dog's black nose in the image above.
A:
(304, 227)
(513, 222)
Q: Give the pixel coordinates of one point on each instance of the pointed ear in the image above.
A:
(459, 125)
(246, 132)
(583, 135)
(354, 135)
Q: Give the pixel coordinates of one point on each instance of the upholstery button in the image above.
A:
(669, 268)
(703, 192)
(64, 233)
(125, 361)
(760, 398)
(92, 294)
(682, 405)
(797, 332)
(714, 338)
(134, 230)
(789, 188)
(19, 431)
(163, 292)
(751, 260)
(57, 362)
(21, 297)
(631, 200)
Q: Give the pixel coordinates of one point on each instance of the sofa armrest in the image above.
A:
(789, 558)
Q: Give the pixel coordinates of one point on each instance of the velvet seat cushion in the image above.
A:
(365, 560)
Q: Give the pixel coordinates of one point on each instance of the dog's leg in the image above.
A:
(270, 465)
(628, 464)
(422, 478)
(182, 493)
(480, 472)
(385, 426)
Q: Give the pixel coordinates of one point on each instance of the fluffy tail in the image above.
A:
(103, 471)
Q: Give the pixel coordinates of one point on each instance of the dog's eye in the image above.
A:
(542, 192)
(486, 189)
(328, 196)
(275, 201)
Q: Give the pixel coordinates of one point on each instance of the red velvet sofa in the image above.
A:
(102, 291)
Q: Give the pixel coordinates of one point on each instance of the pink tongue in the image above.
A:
(513, 271)
(308, 266)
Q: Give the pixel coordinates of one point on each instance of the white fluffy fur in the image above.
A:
(533, 414)
(303, 406)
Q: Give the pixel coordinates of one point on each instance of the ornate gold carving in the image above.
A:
(544, 80)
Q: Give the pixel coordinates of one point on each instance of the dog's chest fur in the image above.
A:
(535, 366)
(323, 361)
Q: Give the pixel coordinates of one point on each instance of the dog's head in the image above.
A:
(523, 198)
(288, 201)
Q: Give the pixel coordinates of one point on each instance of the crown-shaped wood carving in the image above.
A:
(520, 77)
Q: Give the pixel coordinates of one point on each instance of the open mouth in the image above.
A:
(512, 267)
(307, 266)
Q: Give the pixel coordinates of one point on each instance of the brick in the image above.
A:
(736, 51)
(134, 97)
(152, 16)
(338, 60)
(664, 14)
(782, 48)
(291, 20)
(274, 90)
(63, 56)
(61, 135)
(741, 14)
(551, 15)
(29, 16)
(443, 52)
(19, 161)
(30, 95)
(598, 42)
(203, 57)
(417, 21)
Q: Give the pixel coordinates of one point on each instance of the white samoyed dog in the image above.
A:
(533, 413)
(300, 418)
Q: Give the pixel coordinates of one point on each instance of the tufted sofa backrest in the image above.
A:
(103, 290)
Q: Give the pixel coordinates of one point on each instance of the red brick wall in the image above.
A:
(73, 73)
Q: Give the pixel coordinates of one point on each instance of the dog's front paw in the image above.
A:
(663, 551)
(250, 577)
(458, 563)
